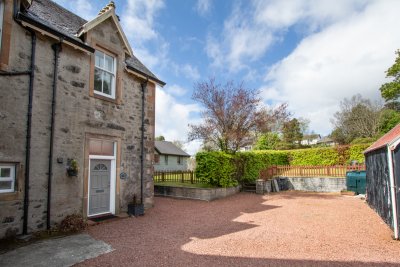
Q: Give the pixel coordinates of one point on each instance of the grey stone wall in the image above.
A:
(312, 184)
(77, 114)
(206, 194)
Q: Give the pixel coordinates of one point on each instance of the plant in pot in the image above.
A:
(72, 169)
(134, 208)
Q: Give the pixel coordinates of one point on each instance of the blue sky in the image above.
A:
(308, 53)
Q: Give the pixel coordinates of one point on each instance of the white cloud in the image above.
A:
(342, 59)
(172, 118)
(176, 90)
(83, 8)
(203, 7)
(190, 72)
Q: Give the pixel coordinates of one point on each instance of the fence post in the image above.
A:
(328, 170)
(162, 177)
(191, 177)
(183, 177)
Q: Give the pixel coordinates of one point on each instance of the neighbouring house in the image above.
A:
(382, 161)
(169, 157)
(77, 113)
(326, 141)
(310, 139)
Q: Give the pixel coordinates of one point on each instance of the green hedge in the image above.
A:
(221, 169)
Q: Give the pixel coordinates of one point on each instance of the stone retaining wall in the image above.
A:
(206, 194)
(312, 184)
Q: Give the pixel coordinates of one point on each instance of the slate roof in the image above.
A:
(168, 148)
(56, 18)
(385, 140)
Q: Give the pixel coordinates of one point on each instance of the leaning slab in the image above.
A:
(206, 194)
(63, 251)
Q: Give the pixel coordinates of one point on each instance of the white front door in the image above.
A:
(100, 186)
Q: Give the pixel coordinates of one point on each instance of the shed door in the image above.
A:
(396, 167)
(100, 180)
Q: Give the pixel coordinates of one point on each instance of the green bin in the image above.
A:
(356, 181)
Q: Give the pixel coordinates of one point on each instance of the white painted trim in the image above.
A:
(393, 193)
(113, 181)
(1, 21)
(394, 143)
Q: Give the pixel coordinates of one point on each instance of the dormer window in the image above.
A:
(104, 74)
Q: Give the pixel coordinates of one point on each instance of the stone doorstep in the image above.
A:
(119, 216)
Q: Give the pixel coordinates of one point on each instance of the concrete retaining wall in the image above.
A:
(312, 184)
(206, 194)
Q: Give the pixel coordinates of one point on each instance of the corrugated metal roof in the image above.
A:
(56, 17)
(385, 140)
(168, 148)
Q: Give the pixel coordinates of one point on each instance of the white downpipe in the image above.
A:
(393, 193)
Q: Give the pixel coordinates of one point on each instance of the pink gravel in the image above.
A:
(282, 229)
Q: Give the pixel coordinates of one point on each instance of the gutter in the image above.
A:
(144, 88)
(144, 75)
(57, 49)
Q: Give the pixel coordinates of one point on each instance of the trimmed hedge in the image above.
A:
(221, 169)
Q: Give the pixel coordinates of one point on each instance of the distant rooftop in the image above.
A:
(168, 148)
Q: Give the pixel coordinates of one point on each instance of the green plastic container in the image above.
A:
(356, 181)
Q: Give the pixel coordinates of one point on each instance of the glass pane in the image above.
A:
(99, 59)
(97, 80)
(95, 147)
(107, 148)
(5, 185)
(107, 83)
(5, 172)
(109, 63)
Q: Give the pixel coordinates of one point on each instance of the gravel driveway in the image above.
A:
(282, 229)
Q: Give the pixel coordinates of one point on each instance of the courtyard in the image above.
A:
(285, 229)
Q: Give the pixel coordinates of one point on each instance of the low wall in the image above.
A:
(312, 184)
(206, 194)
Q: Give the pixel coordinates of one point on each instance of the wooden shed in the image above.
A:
(382, 160)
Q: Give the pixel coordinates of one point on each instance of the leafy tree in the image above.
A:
(178, 143)
(267, 141)
(390, 91)
(232, 113)
(389, 118)
(357, 117)
(292, 134)
(160, 138)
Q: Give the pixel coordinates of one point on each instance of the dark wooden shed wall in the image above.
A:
(378, 184)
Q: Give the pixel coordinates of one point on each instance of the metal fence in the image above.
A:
(309, 171)
(176, 176)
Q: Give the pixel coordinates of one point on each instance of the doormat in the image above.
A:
(103, 218)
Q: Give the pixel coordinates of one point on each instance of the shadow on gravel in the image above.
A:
(157, 238)
(311, 195)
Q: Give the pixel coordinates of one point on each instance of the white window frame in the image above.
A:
(9, 179)
(113, 74)
(1, 21)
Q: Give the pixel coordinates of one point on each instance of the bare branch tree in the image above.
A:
(232, 113)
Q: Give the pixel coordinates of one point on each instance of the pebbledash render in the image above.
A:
(81, 106)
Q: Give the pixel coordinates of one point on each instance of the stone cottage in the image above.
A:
(77, 115)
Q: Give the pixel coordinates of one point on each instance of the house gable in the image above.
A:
(108, 13)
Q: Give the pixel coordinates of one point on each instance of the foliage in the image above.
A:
(388, 120)
(314, 156)
(232, 113)
(391, 90)
(357, 117)
(216, 168)
(356, 152)
(249, 164)
(365, 140)
(267, 141)
(160, 138)
(73, 223)
(292, 133)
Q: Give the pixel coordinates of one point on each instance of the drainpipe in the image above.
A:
(144, 87)
(56, 48)
(393, 192)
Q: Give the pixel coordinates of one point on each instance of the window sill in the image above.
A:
(109, 99)
(10, 196)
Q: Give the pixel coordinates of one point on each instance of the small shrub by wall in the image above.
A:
(216, 168)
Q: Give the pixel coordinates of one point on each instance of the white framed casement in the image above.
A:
(112, 163)
(105, 74)
(1, 20)
(7, 178)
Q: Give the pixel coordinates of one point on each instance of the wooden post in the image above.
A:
(191, 177)
(183, 177)
(328, 170)
(162, 177)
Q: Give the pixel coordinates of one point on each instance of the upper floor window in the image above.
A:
(179, 160)
(104, 74)
(7, 178)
